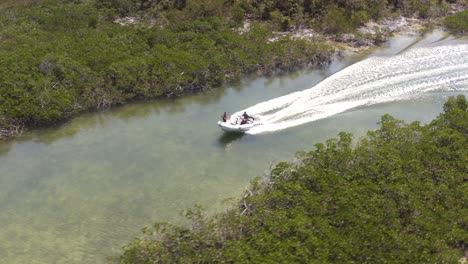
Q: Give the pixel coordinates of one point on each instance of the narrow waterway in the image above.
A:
(78, 192)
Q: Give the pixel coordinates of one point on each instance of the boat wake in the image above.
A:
(371, 81)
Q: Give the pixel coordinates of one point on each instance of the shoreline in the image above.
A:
(374, 33)
(369, 36)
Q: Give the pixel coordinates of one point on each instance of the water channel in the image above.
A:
(78, 192)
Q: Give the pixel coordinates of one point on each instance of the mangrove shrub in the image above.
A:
(398, 195)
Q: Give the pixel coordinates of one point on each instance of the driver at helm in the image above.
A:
(246, 116)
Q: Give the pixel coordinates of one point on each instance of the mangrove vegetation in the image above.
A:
(397, 195)
(59, 58)
(458, 22)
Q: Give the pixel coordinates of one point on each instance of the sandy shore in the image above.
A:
(368, 36)
(372, 33)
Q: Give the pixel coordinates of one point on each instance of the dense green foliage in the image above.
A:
(332, 16)
(59, 58)
(400, 195)
(457, 22)
(62, 57)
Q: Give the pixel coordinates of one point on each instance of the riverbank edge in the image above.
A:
(375, 33)
(282, 190)
(371, 35)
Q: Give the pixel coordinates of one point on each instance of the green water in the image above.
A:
(78, 192)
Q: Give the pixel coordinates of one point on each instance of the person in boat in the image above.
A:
(225, 117)
(246, 116)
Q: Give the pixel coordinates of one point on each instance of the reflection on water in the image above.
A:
(229, 137)
(77, 193)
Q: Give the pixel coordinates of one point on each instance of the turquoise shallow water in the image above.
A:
(78, 192)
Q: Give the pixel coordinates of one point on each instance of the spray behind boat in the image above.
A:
(368, 82)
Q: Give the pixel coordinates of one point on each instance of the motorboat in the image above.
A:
(234, 124)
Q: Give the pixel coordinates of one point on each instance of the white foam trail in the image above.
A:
(371, 81)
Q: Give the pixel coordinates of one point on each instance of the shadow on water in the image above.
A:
(146, 108)
(229, 137)
(137, 109)
(140, 109)
(4, 147)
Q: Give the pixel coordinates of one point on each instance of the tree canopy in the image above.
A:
(457, 22)
(398, 195)
(59, 58)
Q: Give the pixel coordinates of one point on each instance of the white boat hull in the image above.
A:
(233, 126)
